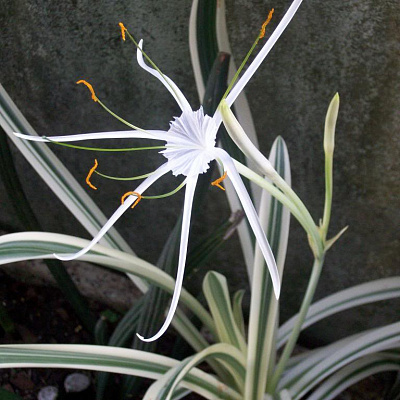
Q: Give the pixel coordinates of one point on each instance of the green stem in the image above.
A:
(328, 196)
(306, 223)
(312, 285)
(291, 194)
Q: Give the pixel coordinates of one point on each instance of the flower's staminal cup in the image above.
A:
(190, 146)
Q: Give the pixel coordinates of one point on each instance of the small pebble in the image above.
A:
(48, 393)
(76, 382)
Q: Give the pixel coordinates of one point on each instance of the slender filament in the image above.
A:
(160, 196)
(172, 192)
(259, 36)
(96, 99)
(104, 149)
(130, 178)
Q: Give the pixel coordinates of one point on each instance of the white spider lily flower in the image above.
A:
(189, 149)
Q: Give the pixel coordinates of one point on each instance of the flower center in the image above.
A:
(190, 143)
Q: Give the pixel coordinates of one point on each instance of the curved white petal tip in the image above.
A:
(152, 339)
(277, 289)
(65, 257)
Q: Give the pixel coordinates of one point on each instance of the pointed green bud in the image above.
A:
(330, 125)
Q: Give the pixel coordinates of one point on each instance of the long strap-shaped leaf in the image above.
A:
(382, 289)
(237, 310)
(230, 356)
(264, 306)
(34, 245)
(110, 359)
(379, 339)
(216, 292)
(57, 177)
(300, 364)
(355, 372)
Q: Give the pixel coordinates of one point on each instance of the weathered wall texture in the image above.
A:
(351, 47)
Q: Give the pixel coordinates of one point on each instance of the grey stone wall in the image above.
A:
(351, 47)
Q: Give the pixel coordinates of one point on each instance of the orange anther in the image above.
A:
(264, 25)
(219, 180)
(138, 195)
(90, 87)
(123, 30)
(90, 174)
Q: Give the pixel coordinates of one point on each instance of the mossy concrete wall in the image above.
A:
(351, 47)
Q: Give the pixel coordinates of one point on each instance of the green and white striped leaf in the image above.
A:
(382, 289)
(238, 311)
(380, 339)
(278, 217)
(216, 292)
(156, 389)
(228, 355)
(302, 363)
(110, 359)
(355, 372)
(36, 245)
(275, 219)
(58, 178)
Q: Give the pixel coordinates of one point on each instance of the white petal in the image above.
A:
(167, 82)
(117, 214)
(241, 83)
(252, 216)
(187, 212)
(132, 134)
